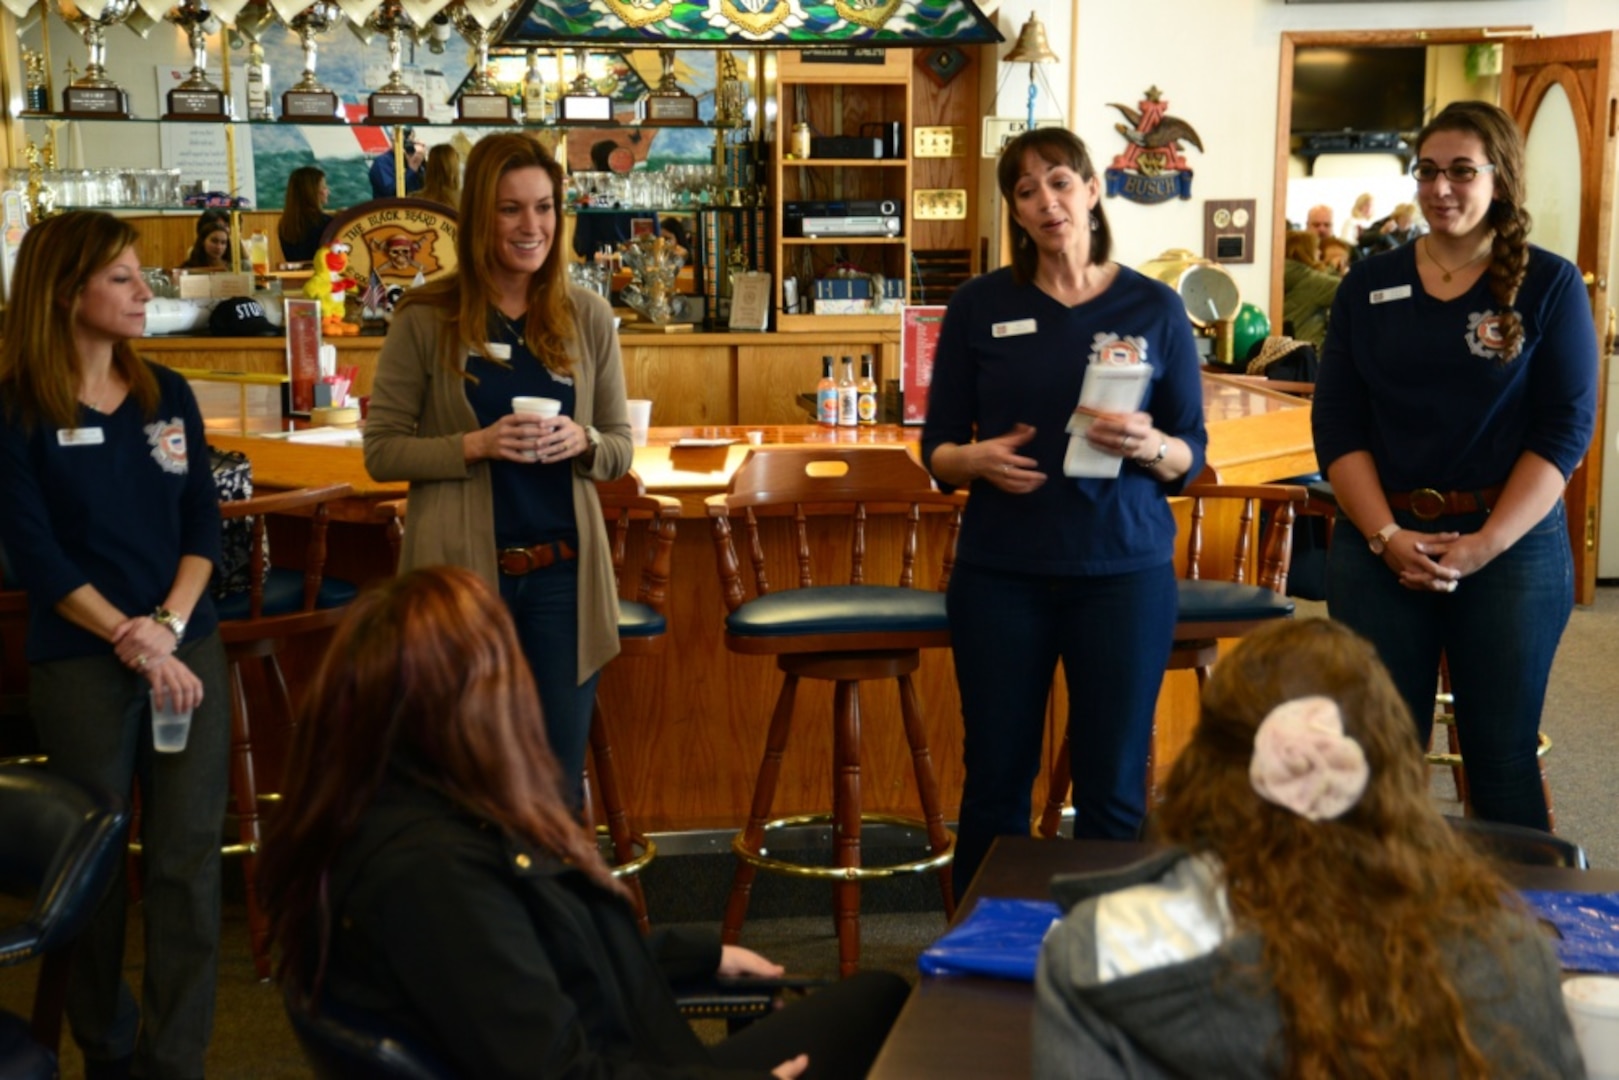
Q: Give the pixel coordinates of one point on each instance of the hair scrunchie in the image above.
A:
(1303, 760)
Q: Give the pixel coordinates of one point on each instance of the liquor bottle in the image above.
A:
(866, 392)
(258, 84)
(533, 89)
(826, 395)
(848, 396)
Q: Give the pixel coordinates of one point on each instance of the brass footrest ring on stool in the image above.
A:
(1444, 760)
(843, 873)
(649, 851)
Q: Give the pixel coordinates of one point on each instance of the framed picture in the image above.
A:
(750, 301)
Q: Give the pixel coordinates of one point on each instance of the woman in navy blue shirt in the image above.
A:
(1457, 394)
(112, 526)
(1049, 566)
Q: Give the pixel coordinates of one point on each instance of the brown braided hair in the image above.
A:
(1509, 252)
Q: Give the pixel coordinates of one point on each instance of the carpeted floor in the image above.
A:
(252, 1040)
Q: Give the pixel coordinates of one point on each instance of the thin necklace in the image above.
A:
(1427, 249)
(87, 400)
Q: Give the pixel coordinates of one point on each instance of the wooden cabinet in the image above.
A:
(848, 100)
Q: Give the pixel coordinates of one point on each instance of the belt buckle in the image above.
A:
(1427, 504)
(513, 552)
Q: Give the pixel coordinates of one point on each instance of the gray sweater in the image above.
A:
(1208, 1017)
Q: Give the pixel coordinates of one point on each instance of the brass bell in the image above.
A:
(1031, 47)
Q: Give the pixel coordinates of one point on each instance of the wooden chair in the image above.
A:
(1209, 610)
(280, 603)
(642, 631)
(845, 634)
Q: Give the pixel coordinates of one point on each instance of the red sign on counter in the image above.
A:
(303, 353)
(918, 338)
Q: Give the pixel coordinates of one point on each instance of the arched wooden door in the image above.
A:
(1561, 90)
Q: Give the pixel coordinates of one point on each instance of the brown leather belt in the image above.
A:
(518, 561)
(1428, 504)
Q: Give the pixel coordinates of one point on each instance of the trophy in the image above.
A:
(393, 100)
(195, 98)
(667, 103)
(93, 94)
(37, 97)
(583, 103)
(482, 101)
(308, 101)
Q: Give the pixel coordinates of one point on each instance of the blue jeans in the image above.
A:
(1007, 632)
(1498, 632)
(545, 606)
(94, 722)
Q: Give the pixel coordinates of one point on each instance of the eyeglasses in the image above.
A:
(1426, 172)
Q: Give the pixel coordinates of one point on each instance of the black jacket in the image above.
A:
(499, 959)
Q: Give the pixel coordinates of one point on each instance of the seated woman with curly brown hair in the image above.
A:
(1319, 917)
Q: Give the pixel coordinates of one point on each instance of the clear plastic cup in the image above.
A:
(640, 419)
(170, 728)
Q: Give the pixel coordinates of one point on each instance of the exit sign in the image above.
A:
(1000, 130)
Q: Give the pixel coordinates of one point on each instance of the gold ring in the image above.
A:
(140, 662)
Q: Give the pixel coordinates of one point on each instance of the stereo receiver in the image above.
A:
(852, 217)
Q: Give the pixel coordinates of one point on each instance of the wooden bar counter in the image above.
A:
(689, 726)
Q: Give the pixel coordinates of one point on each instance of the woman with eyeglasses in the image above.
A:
(1457, 394)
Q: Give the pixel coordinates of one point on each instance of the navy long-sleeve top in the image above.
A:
(115, 504)
(1011, 354)
(1418, 383)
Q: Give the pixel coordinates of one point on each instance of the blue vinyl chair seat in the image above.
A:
(21, 1058)
(840, 609)
(638, 620)
(1204, 601)
(284, 595)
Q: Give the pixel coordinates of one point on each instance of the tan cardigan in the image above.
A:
(418, 414)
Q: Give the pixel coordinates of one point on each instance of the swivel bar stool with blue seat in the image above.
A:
(846, 634)
(1210, 610)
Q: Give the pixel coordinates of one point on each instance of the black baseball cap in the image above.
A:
(241, 316)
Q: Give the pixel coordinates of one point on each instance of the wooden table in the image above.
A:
(965, 1027)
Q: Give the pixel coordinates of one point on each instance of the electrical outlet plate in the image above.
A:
(939, 204)
(939, 142)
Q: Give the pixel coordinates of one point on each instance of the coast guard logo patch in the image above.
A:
(1484, 337)
(1118, 349)
(167, 438)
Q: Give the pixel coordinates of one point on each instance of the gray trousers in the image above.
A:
(94, 721)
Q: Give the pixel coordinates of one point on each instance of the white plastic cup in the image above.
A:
(1593, 1010)
(170, 727)
(756, 438)
(640, 419)
(544, 408)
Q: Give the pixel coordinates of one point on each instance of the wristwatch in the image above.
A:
(177, 626)
(1379, 540)
(592, 437)
(1163, 452)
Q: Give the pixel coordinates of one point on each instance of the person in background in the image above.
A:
(303, 215)
(1319, 221)
(443, 183)
(1318, 916)
(512, 496)
(384, 184)
(1457, 395)
(211, 250)
(1360, 216)
(1307, 288)
(431, 878)
(1048, 566)
(112, 526)
(1336, 255)
(1400, 227)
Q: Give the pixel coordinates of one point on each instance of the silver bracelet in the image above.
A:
(1163, 452)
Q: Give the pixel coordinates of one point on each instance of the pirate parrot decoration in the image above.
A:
(1152, 168)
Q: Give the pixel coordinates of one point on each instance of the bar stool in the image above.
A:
(642, 631)
(279, 604)
(1210, 610)
(844, 634)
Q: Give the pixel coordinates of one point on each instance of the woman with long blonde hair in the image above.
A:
(512, 496)
(111, 523)
(1318, 917)
(443, 176)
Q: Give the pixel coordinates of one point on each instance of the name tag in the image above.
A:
(495, 350)
(84, 436)
(1399, 292)
(1015, 328)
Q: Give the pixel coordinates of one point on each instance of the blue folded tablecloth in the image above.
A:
(1587, 927)
(1001, 938)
